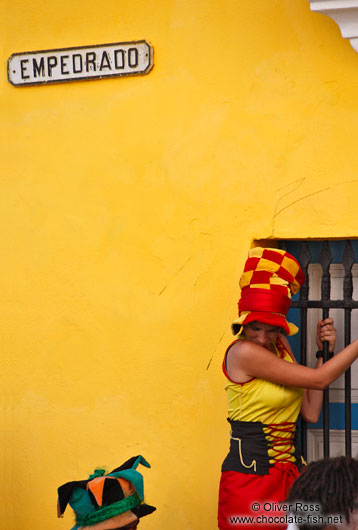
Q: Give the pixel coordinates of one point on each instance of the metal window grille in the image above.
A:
(347, 304)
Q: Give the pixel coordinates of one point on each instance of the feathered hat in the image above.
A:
(269, 279)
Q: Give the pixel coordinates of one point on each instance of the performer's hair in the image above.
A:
(332, 483)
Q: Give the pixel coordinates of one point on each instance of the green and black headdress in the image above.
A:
(118, 495)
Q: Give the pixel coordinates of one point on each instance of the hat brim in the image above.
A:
(273, 319)
(117, 521)
(122, 519)
(143, 509)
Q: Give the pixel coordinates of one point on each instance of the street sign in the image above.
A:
(80, 63)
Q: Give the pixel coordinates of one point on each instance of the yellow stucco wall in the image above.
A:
(126, 210)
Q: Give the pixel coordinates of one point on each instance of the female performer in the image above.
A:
(266, 390)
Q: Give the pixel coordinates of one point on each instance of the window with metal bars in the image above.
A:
(331, 289)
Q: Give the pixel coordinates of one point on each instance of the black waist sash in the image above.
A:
(249, 448)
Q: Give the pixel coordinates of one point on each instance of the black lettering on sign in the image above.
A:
(91, 60)
(79, 63)
(82, 62)
(51, 63)
(119, 64)
(38, 68)
(105, 61)
(63, 65)
(23, 68)
(133, 57)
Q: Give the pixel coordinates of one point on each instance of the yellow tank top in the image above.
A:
(269, 403)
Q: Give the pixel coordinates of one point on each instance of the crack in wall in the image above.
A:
(293, 186)
(174, 275)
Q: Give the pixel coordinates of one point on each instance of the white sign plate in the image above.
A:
(81, 63)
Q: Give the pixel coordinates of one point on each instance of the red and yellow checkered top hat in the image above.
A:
(269, 279)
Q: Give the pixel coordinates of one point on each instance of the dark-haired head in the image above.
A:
(332, 483)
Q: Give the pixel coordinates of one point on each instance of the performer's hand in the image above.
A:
(326, 331)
